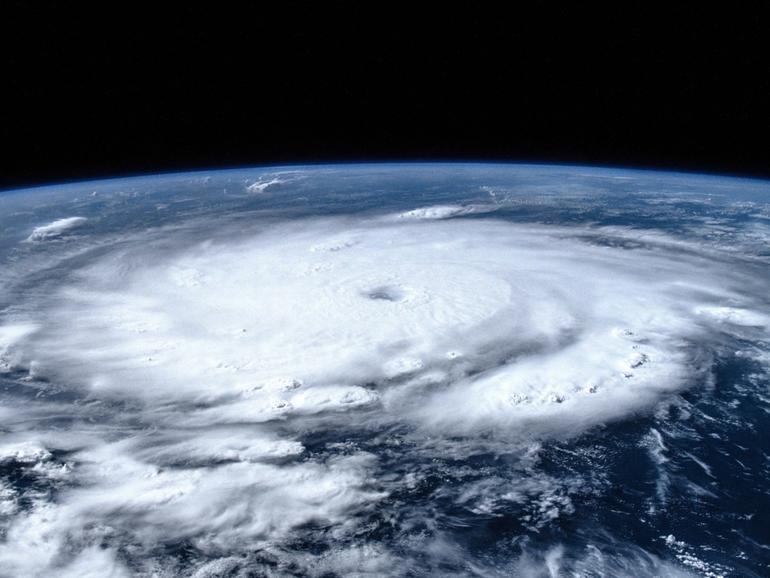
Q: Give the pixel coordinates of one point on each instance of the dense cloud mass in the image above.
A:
(55, 229)
(217, 398)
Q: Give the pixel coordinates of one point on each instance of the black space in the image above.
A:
(96, 93)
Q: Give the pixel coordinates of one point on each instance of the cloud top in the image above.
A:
(55, 229)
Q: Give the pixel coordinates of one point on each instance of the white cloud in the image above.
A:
(262, 185)
(220, 508)
(435, 212)
(736, 316)
(94, 562)
(10, 337)
(55, 229)
(265, 181)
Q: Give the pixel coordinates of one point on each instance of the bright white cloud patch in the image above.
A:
(267, 181)
(735, 316)
(9, 335)
(262, 185)
(437, 212)
(55, 229)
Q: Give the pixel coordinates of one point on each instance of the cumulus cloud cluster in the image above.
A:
(194, 377)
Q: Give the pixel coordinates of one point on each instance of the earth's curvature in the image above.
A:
(386, 370)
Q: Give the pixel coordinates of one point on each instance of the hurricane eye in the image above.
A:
(385, 293)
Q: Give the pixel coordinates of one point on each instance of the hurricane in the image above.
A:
(386, 370)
